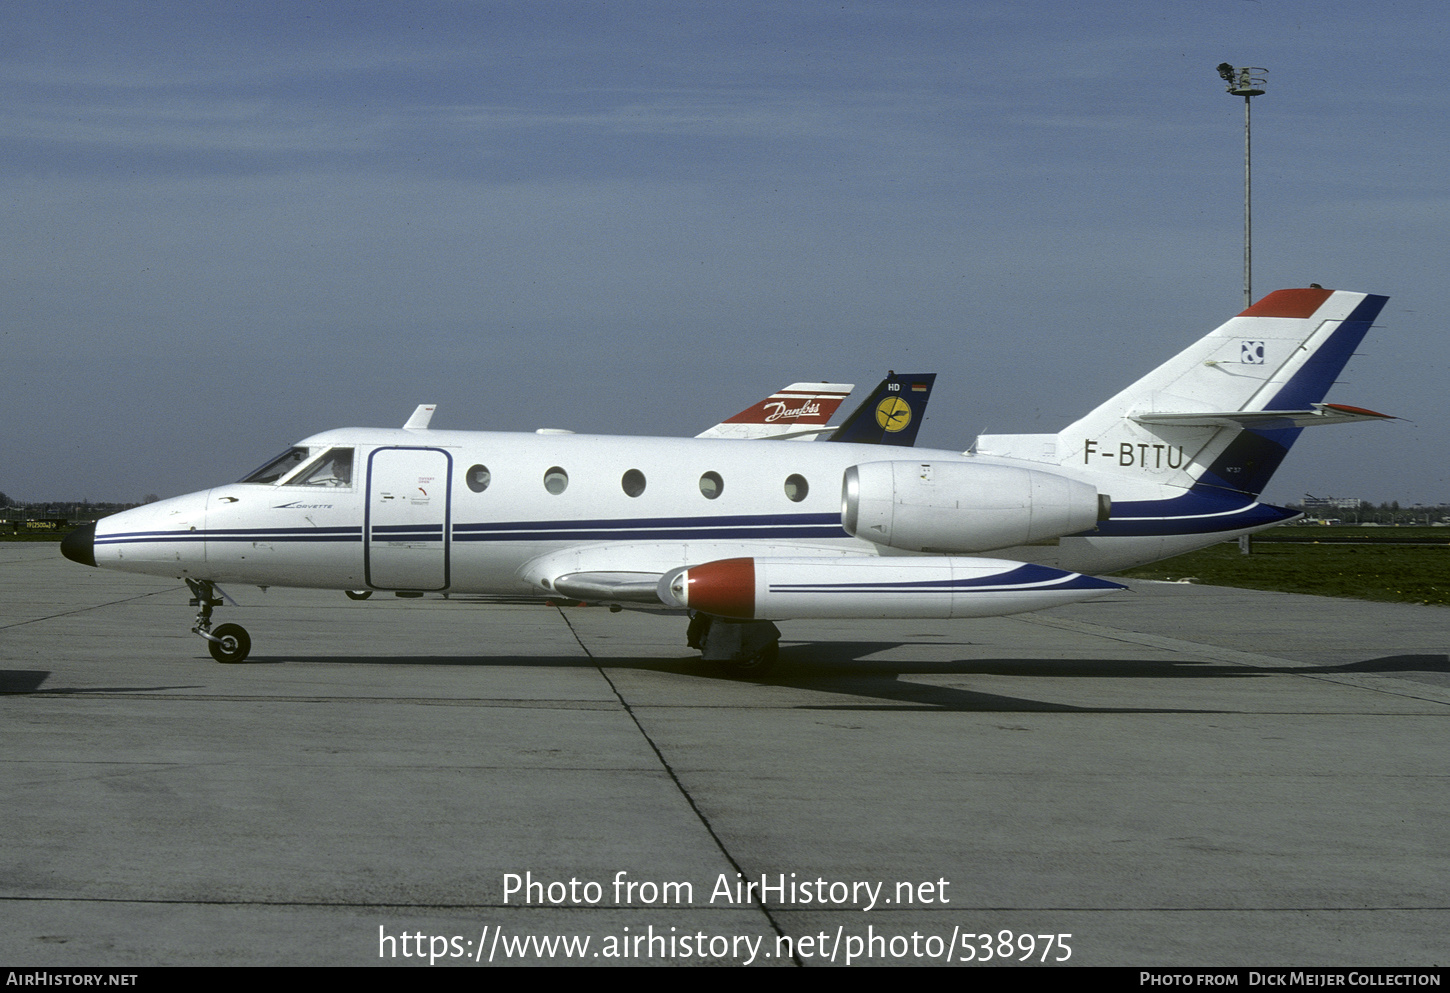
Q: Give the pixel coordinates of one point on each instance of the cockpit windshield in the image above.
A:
(278, 467)
(334, 468)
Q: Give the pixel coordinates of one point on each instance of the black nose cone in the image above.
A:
(80, 545)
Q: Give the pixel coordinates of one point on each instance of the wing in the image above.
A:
(785, 580)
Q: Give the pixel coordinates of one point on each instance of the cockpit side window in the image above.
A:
(278, 467)
(333, 468)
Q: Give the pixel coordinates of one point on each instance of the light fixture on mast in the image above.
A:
(1247, 82)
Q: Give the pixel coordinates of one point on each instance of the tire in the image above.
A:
(752, 666)
(358, 594)
(234, 645)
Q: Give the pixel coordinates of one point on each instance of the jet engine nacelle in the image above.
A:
(963, 506)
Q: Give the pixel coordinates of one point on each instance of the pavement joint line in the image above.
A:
(369, 905)
(94, 606)
(515, 908)
(1213, 653)
(695, 807)
(313, 698)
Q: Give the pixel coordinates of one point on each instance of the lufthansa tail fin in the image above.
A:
(891, 414)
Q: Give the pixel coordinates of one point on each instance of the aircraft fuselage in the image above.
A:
(409, 519)
(417, 514)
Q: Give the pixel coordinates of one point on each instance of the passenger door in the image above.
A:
(408, 518)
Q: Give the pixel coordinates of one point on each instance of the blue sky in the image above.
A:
(232, 225)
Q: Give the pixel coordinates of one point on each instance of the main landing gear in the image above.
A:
(228, 642)
(743, 648)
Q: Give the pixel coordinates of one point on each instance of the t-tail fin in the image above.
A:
(1221, 414)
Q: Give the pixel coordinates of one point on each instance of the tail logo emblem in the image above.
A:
(778, 410)
(1251, 352)
(893, 414)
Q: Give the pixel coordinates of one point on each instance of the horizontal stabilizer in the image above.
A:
(1320, 413)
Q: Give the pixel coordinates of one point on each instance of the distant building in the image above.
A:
(1324, 506)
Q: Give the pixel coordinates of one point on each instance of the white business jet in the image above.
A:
(739, 534)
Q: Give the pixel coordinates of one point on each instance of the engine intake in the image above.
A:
(963, 506)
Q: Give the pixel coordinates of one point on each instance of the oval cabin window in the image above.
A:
(633, 482)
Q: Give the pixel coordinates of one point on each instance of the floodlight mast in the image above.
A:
(1247, 82)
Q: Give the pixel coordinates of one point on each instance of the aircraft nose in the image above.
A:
(80, 545)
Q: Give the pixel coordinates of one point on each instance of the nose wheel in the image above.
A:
(227, 642)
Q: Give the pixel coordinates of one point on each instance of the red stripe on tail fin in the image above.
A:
(1289, 303)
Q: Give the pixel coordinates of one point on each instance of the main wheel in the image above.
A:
(358, 594)
(234, 643)
(756, 664)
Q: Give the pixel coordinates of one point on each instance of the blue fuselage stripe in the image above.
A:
(641, 523)
(1195, 512)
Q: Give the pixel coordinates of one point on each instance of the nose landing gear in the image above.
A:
(229, 642)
